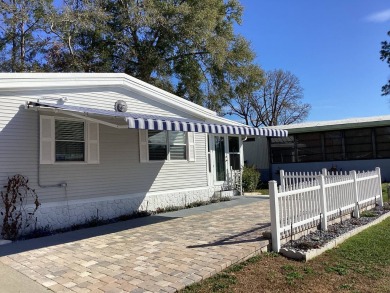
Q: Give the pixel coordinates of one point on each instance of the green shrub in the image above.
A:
(250, 178)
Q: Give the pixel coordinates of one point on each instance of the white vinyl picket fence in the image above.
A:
(306, 200)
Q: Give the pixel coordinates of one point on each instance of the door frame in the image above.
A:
(211, 167)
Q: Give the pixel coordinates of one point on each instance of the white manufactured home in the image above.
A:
(109, 145)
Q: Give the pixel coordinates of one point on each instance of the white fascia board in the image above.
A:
(22, 81)
(336, 124)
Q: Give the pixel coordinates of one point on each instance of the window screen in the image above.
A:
(333, 141)
(358, 144)
(69, 141)
(382, 142)
(309, 147)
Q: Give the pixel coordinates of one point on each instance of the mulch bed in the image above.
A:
(318, 238)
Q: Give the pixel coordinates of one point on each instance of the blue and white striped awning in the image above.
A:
(153, 122)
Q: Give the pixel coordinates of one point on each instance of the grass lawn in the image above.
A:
(361, 264)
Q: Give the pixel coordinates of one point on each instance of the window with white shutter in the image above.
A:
(66, 140)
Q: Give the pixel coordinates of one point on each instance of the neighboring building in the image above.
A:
(86, 156)
(348, 144)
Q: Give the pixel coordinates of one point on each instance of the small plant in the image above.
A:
(291, 274)
(368, 214)
(93, 221)
(195, 204)
(39, 232)
(308, 270)
(223, 281)
(250, 178)
(340, 269)
(15, 217)
(345, 287)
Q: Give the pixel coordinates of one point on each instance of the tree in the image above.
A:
(245, 85)
(385, 56)
(22, 39)
(279, 101)
(186, 47)
(78, 45)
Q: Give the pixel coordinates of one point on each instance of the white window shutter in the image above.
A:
(93, 143)
(191, 146)
(47, 140)
(143, 146)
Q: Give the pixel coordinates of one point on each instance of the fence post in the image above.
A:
(275, 222)
(356, 213)
(324, 171)
(282, 183)
(324, 218)
(378, 171)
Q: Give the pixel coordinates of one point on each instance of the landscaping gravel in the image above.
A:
(318, 238)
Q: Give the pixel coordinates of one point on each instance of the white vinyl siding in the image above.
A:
(119, 171)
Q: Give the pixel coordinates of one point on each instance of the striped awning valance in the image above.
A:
(164, 123)
(153, 122)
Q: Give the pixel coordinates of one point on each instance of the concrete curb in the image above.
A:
(312, 253)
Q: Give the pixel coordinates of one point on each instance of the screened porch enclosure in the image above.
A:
(336, 145)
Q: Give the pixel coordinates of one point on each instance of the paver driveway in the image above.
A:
(161, 257)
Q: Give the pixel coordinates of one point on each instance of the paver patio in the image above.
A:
(160, 257)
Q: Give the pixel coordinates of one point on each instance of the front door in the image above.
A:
(225, 155)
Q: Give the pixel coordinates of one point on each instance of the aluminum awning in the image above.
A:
(153, 122)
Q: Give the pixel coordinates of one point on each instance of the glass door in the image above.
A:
(219, 150)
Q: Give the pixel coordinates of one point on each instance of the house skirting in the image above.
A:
(56, 215)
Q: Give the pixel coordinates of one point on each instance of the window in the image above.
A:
(333, 141)
(335, 145)
(157, 141)
(382, 142)
(177, 145)
(68, 140)
(166, 145)
(234, 153)
(282, 149)
(358, 144)
(309, 147)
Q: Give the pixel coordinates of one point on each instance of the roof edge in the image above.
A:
(18, 81)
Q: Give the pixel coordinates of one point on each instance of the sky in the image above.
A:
(332, 46)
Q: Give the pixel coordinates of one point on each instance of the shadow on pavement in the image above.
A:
(62, 238)
(251, 235)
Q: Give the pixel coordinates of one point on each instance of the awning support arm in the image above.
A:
(80, 116)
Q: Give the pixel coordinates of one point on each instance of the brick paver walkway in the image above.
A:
(162, 257)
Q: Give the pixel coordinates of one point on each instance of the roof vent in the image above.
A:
(120, 106)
